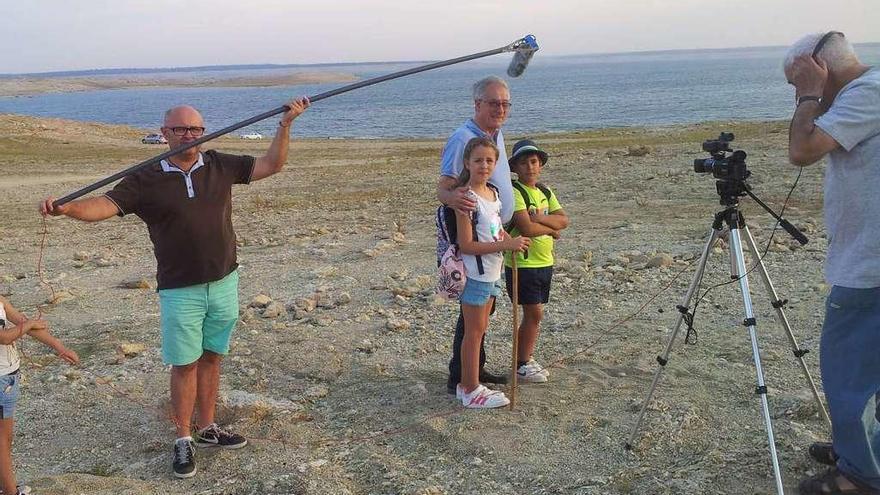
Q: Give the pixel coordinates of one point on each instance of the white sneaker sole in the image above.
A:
(488, 406)
(206, 445)
(183, 476)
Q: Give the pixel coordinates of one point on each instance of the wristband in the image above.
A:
(802, 99)
(281, 124)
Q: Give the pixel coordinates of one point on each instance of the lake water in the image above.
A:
(554, 94)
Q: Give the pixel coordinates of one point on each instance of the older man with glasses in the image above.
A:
(186, 202)
(838, 117)
(491, 108)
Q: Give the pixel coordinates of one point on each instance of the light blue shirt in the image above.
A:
(452, 162)
(852, 184)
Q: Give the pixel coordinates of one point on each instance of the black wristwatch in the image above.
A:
(801, 99)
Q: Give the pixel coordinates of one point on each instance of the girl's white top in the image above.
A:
(489, 228)
(9, 358)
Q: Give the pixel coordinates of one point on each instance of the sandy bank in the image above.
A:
(32, 85)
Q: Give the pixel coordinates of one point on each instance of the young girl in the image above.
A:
(13, 325)
(482, 258)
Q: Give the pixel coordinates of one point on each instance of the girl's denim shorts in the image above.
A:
(478, 293)
(8, 394)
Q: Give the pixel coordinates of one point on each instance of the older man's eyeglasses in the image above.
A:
(193, 131)
(497, 103)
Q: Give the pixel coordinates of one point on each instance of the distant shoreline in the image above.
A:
(35, 85)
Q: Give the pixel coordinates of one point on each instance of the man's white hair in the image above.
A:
(837, 52)
(483, 84)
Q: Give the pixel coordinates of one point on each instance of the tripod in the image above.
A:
(735, 222)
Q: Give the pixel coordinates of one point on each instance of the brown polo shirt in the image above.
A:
(189, 216)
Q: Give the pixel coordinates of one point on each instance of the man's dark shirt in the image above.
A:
(190, 222)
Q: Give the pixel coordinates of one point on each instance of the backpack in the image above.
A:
(525, 195)
(528, 200)
(451, 272)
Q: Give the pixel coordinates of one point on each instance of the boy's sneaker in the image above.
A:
(214, 436)
(482, 398)
(23, 490)
(541, 369)
(531, 372)
(184, 462)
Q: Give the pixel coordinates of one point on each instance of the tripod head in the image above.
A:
(731, 173)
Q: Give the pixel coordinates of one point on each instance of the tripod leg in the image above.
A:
(682, 309)
(736, 254)
(783, 320)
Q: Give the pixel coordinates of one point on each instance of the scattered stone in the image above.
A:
(82, 256)
(273, 310)
(260, 301)
(325, 301)
(638, 150)
(397, 324)
(247, 315)
(102, 262)
(401, 301)
(316, 392)
(343, 298)
(661, 260)
(323, 321)
(140, 283)
(130, 349)
(365, 347)
(306, 304)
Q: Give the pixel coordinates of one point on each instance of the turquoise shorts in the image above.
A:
(198, 318)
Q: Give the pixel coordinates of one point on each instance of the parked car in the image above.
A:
(154, 139)
(251, 135)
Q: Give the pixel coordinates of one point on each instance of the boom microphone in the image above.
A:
(524, 48)
(524, 53)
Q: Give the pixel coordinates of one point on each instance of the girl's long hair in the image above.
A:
(471, 145)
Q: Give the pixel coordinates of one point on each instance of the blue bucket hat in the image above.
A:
(525, 147)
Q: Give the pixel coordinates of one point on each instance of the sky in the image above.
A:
(56, 35)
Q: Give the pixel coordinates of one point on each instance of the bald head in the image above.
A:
(183, 115)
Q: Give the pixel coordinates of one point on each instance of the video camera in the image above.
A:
(730, 170)
(722, 166)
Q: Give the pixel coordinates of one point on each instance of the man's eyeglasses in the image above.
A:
(193, 131)
(497, 104)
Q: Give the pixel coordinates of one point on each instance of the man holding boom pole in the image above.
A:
(186, 202)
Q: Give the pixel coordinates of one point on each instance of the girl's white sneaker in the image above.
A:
(482, 398)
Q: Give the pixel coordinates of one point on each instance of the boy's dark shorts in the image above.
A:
(534, 284)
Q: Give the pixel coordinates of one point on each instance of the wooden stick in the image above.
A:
(515, 298)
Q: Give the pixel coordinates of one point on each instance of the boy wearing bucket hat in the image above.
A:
(536, 214)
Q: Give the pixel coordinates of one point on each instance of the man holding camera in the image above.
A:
(838, 116)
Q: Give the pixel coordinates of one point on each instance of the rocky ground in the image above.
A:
(337, 372)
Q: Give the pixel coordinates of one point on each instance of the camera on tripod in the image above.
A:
(721, 165)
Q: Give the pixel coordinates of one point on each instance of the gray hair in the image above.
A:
(837, 52)
(483, 84)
